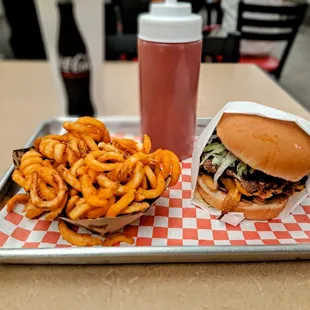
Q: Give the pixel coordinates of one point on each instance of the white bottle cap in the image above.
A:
(170, 22)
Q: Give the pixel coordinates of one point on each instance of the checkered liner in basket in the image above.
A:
(172, 222)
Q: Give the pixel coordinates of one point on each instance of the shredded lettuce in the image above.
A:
(228, 161)
(205, 157)
(212, 150)
(222, 158)
(243, 168)
(214, 147)
(217, 160)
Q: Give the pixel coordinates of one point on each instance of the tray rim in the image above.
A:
(145, 254)
(137, 255)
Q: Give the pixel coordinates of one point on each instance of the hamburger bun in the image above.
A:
(251, 211)
(277, 148)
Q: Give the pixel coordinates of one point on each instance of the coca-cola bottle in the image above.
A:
(74, 63)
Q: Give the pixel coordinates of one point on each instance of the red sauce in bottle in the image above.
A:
(169, 50)
(169, 74)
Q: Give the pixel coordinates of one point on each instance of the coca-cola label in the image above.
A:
(74, 65)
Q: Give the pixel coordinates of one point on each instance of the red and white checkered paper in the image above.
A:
(174, 221)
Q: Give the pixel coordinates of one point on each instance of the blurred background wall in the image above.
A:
(294, 79)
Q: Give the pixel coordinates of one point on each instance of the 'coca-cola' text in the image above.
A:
(75, 64)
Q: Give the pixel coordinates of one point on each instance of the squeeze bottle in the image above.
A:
(169, 52)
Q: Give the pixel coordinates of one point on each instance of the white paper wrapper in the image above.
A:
(244, 107)
(104, 226)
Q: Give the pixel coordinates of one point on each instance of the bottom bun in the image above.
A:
(251, 211)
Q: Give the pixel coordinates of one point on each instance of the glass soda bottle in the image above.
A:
(74, 63)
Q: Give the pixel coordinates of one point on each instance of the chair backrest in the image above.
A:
(289, 21)
(197, 5)
(129, 11)
(214, 6)
(226, 47)
(116, 45)
(110, 19)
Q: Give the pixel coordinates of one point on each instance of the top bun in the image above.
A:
(277, 148)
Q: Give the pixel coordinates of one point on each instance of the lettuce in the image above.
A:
(229, 160)
(213, 149)
(218, 159)
(218, 147)
(222, 158)
(243, 168)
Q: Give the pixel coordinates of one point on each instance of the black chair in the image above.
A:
(221, 49)
(130, 9)
(117, 45)
(216, 7)
(226, 48)
(129, 12)
(25, 38)
(197, 5)
(110, 19)
(290, 21)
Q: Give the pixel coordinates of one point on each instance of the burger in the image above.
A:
(253, 164)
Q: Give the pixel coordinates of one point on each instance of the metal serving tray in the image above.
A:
(137, 254)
